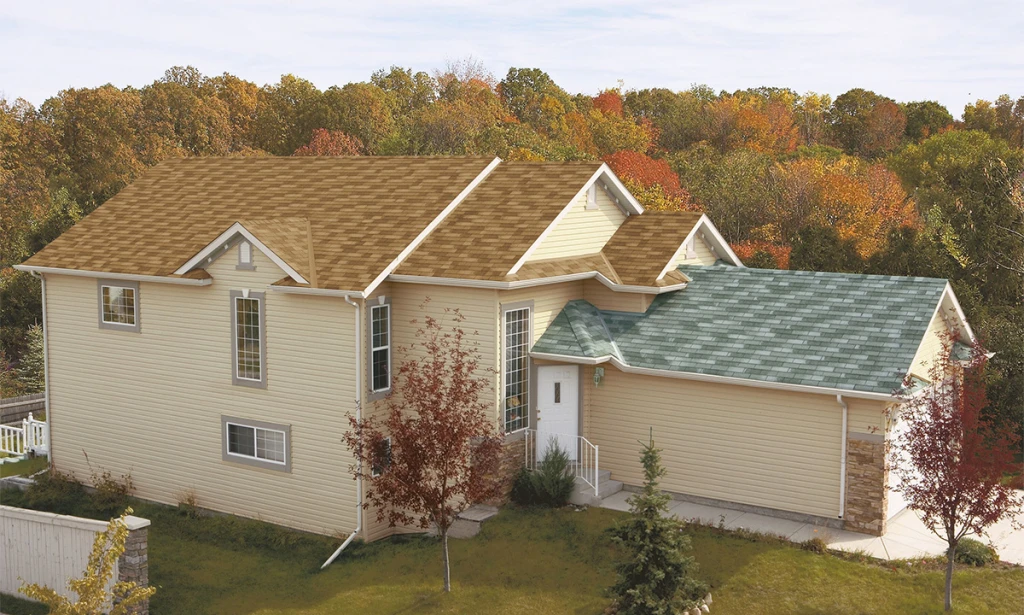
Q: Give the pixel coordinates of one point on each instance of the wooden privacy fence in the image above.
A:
(13, 409)
(48, 549)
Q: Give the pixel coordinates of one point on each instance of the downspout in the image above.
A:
(359, 415)
(842, 462)
(46, 370)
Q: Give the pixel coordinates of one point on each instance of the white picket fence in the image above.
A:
(29, 436)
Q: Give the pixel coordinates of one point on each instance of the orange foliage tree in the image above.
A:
(652, 181)
(330, 143)
(762, 254)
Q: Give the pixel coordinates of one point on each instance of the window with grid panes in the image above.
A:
(517, 369)
(247, 339)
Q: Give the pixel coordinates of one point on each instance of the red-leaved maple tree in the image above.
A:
(951, 459)
(445, 449)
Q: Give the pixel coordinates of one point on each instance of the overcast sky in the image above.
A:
(953, 52)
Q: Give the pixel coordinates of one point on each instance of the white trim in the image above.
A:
(516, 306)
(115, 276)
(572, 277)
(381, 306)
(602, 171)
(948, 292)
(842, 459)
(430, 227)
(238, 229)
(305, 290)
(800, 388)
(135, 307)
(703, 222)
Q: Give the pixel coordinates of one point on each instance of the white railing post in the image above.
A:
(597, 472)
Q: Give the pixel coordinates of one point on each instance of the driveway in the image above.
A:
(907, 537)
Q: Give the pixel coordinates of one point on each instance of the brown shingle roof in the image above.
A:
(289, 238)
(643, 245)
(488, 232)
(565, 266)
(362, 212)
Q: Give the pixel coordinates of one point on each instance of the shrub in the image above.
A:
(188, 504)
(815, 545)
(111, 493)
(550, 485)
(975, 553)
(55, 491)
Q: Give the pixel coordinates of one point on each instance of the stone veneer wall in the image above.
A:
(866, 488)
(513, 457)
(134, 562)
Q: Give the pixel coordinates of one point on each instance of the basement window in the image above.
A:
(256, 443)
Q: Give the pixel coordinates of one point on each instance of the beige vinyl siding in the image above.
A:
(150, 403)
(704, 254)
(413, 302)
(581, 231)
(548, 301)
(932, 347)
(865, 416)
(604, 298)
(750, 445)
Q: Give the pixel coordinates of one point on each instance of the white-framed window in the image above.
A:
(380, 347)
(247, 339)
(517, 337)
(381, 457)
(256, 443)
(119, 305)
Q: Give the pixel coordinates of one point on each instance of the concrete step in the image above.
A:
(467, 524)
(583, 494)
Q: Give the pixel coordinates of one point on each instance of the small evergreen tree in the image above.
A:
(30, 370)
(657, 577)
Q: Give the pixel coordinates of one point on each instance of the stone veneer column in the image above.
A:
(133, 565)
(513, 457)
(866, 483)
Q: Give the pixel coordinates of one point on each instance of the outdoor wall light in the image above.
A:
(598, 375)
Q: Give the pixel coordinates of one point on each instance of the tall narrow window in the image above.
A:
(517, 369)
(380, 347)
(119, 305)
(248, 345)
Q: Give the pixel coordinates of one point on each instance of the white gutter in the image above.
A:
(359, 415)
(115, 276)
(842, 461)
(664, 373)
(325, 292)
(512, 285)
(46, 372)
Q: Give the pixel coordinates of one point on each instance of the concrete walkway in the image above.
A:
(906, 537)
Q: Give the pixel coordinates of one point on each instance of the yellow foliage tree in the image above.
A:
(93, 597)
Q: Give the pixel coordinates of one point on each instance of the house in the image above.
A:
(211, 327)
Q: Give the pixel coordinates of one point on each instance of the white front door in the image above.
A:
(558, 408)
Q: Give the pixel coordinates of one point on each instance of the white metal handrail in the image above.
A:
(584, 467)
(31, 436)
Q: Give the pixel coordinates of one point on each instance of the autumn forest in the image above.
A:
(856, 183)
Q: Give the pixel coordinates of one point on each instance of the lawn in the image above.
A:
(524, 561)
(25, 467)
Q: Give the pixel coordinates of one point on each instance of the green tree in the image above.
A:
(286, 114)
(407, 91)
(925, 118)
(657, 577)
(820, 248)
(364, 111)
(866, 124)
(530, 94)
(185, 116)
(30, 370)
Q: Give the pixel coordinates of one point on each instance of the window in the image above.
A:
(380, 347)
(516, 370)
(558, 392)
(119, 305)
(245, 256)
(256, 443)
(247, 316)
(381, 457)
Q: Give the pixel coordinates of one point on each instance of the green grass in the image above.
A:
(524, 561)
(25, 467)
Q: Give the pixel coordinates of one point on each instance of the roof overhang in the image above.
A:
(323, 292)
(663, 373)
(159, 279)
(223, 241)
(623, 199)
(511, 285)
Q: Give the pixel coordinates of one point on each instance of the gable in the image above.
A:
(696, 251)
(947, 319)
(284, 241)
(581, 230)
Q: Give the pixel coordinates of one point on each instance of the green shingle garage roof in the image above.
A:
(838, 331)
